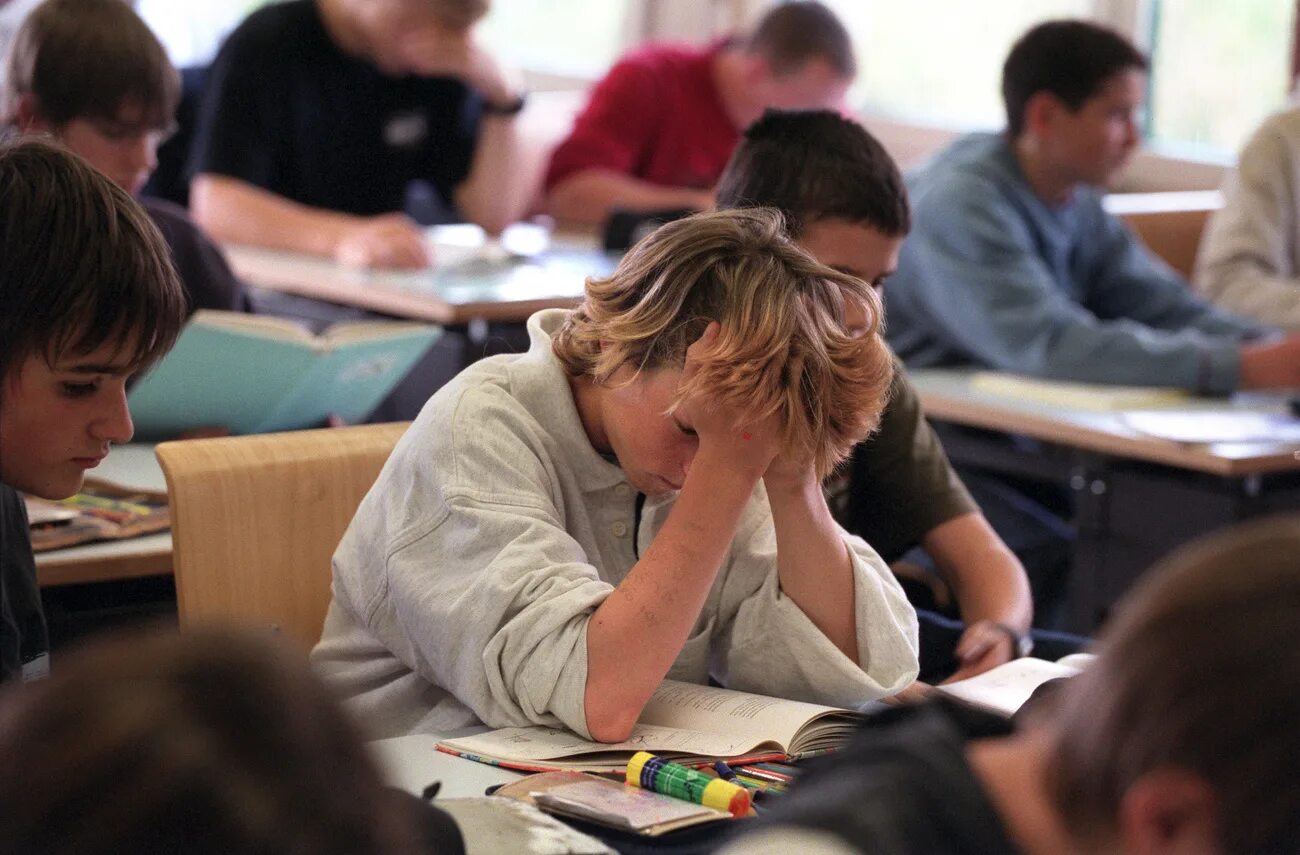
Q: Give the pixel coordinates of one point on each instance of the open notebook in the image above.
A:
(683, 722)
(1005, 689)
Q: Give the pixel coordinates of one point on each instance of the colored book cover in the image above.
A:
(256, 374)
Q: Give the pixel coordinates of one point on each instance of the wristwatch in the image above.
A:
(510, 108)
(1021, 643)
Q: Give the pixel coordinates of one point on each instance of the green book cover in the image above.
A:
(254, 374)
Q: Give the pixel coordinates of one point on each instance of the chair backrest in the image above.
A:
(1169, 223)
(256, 519)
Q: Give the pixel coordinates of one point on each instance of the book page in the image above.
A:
(264, 326)
(714, 710)
(1005, 688)
(533, 744)
(354, 331)
(1076, 396)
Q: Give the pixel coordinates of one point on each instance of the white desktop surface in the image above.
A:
(412, 762)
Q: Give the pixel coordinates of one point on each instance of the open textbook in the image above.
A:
(1005, 689)
(256, 374)
(682, 721)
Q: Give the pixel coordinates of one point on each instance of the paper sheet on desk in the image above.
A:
(1201, 427)
(1077, 396)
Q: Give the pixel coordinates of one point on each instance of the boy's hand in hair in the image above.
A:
(389, 240)
(748, 448)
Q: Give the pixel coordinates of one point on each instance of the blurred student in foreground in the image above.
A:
(91, 74)
(1180, 738)
(208, 742)
(88, 297)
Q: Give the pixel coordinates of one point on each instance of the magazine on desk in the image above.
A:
(101, 511)
(257, 374)
(682, 722)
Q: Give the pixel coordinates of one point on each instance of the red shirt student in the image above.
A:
(660, 126)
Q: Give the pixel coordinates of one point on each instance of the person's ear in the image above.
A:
(1041, 113)
(28, 116)
(1169, 812)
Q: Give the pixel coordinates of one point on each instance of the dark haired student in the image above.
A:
(91, 74)
(88, 297)
(844, 203)
(1014, 264)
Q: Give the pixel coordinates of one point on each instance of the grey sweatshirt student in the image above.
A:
(993, 275)
(463, 587)
(1249, 259)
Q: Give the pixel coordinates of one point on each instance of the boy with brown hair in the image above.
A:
(92, 74)
(332, 126)
(636, 497)
(661, 125)
(88, 297)
(844, 202)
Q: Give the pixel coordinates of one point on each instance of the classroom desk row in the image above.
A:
(1136, 496)
(457, 292)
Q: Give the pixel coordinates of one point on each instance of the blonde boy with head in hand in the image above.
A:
(636, 497)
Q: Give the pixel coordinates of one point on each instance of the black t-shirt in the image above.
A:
(208, 280)
(902, 786)
(24, 641)
(287, 110)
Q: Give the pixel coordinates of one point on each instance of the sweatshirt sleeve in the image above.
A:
(983, 287)
(477, 585)
(1246, 256)
(769, 646)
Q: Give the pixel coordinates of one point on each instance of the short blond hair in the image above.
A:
(784, 346)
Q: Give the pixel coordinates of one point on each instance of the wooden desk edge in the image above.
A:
(1150, 449)
(53, 569)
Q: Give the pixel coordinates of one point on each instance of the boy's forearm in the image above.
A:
(638, 631)
(496, 193)
(986, 578)
(234, 211)
(813, 561)
(591, 195)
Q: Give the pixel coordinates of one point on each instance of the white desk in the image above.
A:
(1135, 497)
(946, 394)
(131, 466)
(453, 294)
(412, 763)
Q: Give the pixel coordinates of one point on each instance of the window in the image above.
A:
(1217, 70)
(940, 61)
(564, 38)
(192, 31)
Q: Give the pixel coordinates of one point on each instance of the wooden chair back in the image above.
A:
(1170, 223)
(256, 519)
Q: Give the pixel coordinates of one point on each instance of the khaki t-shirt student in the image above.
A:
(899, 484)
